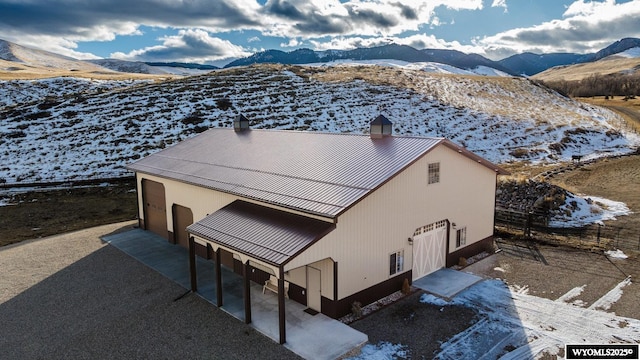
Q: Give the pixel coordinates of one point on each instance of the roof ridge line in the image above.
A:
(265, 172)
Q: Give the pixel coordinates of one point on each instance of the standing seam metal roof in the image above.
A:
(316, 173)
(271, 235)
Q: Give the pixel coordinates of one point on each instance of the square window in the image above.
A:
(396, 262)
(434, 173)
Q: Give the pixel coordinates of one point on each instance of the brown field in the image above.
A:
(46, 213)
(10, 70)
(628, 109)
(611, 65)
(614, 179)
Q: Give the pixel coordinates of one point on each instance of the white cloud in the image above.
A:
(500, 3)
(315, 18)
(418, 41)
(66, 45)
(191, 45)
(585, 26)
(52, 44)
(60, 25)
(292, 43)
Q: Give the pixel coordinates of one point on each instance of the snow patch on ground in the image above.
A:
(531, 325)
(5, 202)
(382, 351)
(434, 300)
(573, 293)
(582, 210)
(611, 297)
(515, 325)
(616, 254)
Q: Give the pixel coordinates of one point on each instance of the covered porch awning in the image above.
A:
(259, 233)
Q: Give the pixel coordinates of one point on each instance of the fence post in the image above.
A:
(598, 237)
(527, 229)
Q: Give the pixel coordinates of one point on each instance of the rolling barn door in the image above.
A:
(429, 249)
(155, 208)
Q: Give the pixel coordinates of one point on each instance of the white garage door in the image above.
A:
(429, 249)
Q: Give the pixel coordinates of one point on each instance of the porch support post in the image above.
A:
(192, 264)
(218, 278)
(247, 293)
(282, 324)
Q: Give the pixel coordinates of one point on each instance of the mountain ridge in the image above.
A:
(384, 52)
(527, 64)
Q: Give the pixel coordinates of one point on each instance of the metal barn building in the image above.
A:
(323, 219)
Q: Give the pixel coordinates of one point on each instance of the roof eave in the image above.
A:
(480, 160)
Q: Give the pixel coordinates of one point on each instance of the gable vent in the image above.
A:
(380, 127)
(240, 123)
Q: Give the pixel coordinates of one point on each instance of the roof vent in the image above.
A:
(240, 123)
(380, 127)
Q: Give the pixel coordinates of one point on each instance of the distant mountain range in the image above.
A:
(521, 64)
(531, 64)
(391, 52)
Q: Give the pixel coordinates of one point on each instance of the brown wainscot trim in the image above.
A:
(258, 276)
(340, 308)
(297, 294)
(468, 251)
(201, 251)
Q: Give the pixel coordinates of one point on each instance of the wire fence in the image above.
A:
(533, 226)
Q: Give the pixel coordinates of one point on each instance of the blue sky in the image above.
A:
(217, 31)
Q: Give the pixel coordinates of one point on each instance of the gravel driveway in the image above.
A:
(74, 297)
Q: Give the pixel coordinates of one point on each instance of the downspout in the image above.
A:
(138, 199)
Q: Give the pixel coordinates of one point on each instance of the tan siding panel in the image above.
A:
(382, 222)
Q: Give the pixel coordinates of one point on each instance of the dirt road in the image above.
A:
(632, 114)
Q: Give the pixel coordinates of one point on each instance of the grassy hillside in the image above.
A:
(609, 65)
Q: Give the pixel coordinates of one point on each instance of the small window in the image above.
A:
(396, 262)
(434, 173)
(461, 237)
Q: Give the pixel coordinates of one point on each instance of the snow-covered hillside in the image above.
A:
(431, 67)
(630, 53)
(127, 66)
(137, 67)
(78, 133)
(26, 91)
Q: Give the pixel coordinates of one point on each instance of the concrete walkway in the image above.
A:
(446, 283)
(310, 336)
